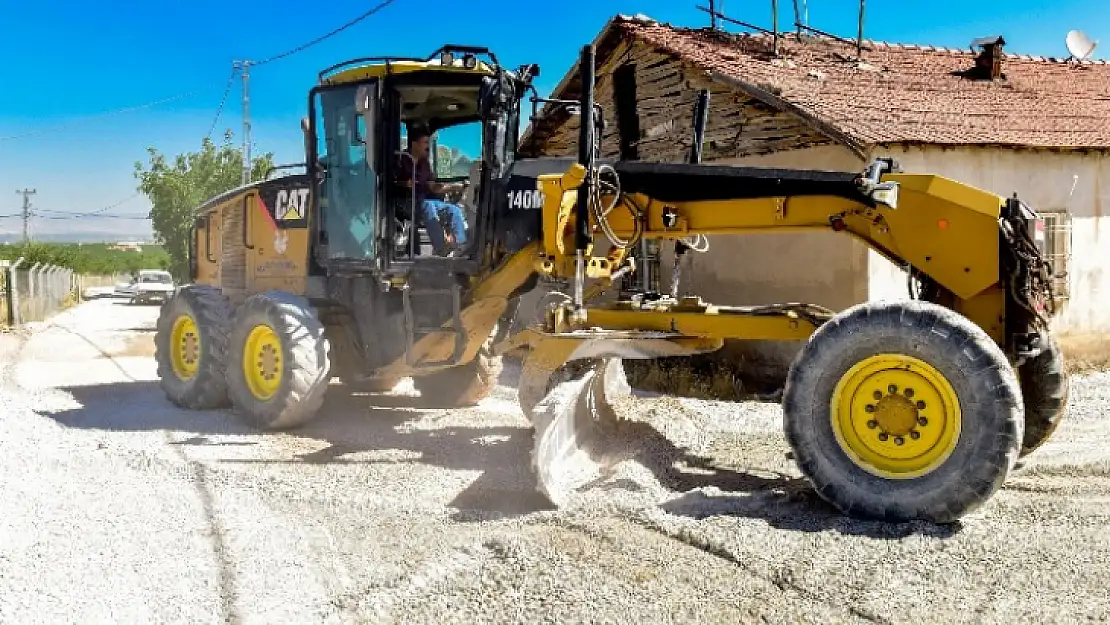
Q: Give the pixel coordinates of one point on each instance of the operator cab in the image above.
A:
(361, 118)
(454, 156)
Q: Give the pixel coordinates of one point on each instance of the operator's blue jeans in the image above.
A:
(430, 212)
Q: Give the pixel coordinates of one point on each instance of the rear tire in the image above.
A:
(286, 352)
(903, 410)
(190, 347)
(1044, 385)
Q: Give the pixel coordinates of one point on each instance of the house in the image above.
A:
(127, 246)
(1001, 121)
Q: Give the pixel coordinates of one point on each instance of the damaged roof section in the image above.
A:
(896, 93)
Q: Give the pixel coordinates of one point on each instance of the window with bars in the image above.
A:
(1056, 246)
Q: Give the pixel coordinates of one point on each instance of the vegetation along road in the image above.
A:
(119, 507)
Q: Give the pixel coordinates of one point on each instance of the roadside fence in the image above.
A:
(35, 292)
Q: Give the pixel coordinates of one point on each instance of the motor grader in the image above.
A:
(896, 410)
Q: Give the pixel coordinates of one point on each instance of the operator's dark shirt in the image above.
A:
(424, 176)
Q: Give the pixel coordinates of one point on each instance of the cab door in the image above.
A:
(345, 122)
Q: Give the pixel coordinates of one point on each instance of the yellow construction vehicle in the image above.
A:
(897, 410)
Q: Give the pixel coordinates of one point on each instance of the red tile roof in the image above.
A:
(906, 93)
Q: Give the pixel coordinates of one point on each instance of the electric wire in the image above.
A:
(223, 100)
(100, 213)
(103, 212)
(182, 96)
(130, 109)
(317, 40)
(137, 217)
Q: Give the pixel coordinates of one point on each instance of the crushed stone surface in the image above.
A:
(119, 507)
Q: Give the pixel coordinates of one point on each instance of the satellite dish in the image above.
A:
(1080, 45)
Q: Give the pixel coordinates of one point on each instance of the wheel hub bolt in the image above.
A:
(914, 434)
(892, 389)
(872, 424)
(920, 405)
(898, 440)
(869, 408)
(878, 395)
(883, 436)
(922, 421)
(908, 393)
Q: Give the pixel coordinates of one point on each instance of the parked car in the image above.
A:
(96, 292)
(149, 285)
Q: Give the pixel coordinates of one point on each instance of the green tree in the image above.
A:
(177, 187)
(88, 258)
(451, 162)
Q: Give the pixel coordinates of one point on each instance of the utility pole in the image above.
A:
(26, 193)
(244, 70)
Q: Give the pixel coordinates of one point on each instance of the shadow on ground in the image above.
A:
(706, 488)
(351, 423)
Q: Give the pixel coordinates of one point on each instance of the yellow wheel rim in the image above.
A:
(184, 347)
(896, 416)
(262, 362)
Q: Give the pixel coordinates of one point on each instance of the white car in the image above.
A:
(151, 286)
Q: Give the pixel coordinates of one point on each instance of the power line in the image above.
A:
(317, 40)
(103, 216)
(227, 85)
(112, 113)
(98, 211)
(95, 214)
(223, 100)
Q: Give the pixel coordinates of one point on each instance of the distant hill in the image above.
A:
(77, 237)
(67, 231)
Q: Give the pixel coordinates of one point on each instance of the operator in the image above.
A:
(429, 196)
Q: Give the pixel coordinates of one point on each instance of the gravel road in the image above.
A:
(118, 507)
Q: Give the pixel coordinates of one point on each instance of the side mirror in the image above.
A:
(527, 72)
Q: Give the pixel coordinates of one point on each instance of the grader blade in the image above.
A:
(573, 389)
(571, 422)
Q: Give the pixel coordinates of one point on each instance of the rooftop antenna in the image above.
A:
(715, 14)
(801, 24)
(859, 38)
(1080, 45)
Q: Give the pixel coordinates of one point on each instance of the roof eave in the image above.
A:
(857, 147)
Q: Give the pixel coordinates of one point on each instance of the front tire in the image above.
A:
(190, 347)
(464, 385)
(903, 410)
(345, 364)
(279, 367)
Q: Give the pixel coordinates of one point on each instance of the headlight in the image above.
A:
(886, 194)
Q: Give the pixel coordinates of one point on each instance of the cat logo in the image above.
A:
(291, 205)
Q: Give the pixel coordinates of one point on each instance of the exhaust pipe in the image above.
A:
(586, 159)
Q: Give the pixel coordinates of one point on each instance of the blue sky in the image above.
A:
(63, 60)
